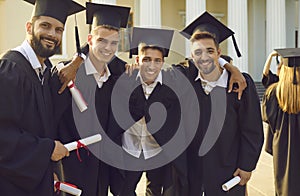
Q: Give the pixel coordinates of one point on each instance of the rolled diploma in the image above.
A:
(231, 183)
(81, 104)
(69, 189)
(86, 141)
(79, 100)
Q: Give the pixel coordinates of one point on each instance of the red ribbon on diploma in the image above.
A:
(81, 145)
(57, 185)
(72, 85)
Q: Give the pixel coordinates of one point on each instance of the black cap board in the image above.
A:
(206, 22)
(103, 14)
(58, 9)
(151, 37)
(293, 55)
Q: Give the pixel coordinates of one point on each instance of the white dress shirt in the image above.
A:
(90, 69)
(137, 138)
(209, 86)
(26, 50)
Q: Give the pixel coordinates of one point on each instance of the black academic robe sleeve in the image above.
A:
(270, 79)
(25, 152)
(251, 128)
(270, 109)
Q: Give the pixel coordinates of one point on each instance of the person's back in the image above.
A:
(281, 109)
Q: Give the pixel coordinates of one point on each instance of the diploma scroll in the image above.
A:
(86, 141)
(79, 100)
(67, 188)
(231, 183)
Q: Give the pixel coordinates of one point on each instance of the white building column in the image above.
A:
(150, 13)
(276, 25)
(194, 8)
(111, 2)
(238, 23)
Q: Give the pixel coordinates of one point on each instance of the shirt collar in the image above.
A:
(157, 80)
(222, 81)
(26, 50)
(90, 69)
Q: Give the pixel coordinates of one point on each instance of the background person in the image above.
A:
(281, 107)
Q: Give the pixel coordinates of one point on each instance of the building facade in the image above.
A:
(259, 25)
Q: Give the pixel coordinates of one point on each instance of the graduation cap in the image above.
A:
(293, 56)
(102, 14)
(206, 22)
(58, 9)
(151, 37)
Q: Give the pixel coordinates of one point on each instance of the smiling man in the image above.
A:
(143, 138)
(238, 143)
(27, 131)
(95, 78)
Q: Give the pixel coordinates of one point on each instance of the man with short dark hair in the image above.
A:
(235, 148)
(149, 86)
(27, 132)
(95, 78)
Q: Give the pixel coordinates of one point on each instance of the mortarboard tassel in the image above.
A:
(277, 60)
(78, 49)
(295, 76)
(236, 46)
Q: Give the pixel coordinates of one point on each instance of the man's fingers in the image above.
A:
(127, 66)
(242, 182)
(236, 173)
(63, 87)
(240, 93)
(62, 77)
(131, 70)
(230, 86)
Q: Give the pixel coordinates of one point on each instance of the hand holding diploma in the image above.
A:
(59, 151)
(85, 142)
(79, 100)
(241, 178)
(231, 183)
(68, 188)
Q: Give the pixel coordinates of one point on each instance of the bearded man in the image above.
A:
(27, 135)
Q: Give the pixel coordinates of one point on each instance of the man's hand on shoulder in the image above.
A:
(68, 73)
(237, 77)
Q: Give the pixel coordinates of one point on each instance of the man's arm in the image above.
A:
(68, 73)
(251, 131)
(236, 77)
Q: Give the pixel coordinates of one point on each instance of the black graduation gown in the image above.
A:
(270, 79)
(238, 145)
(286, 150)
(267, 81)
(139, 107)
(90, 175)
(26, 127)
